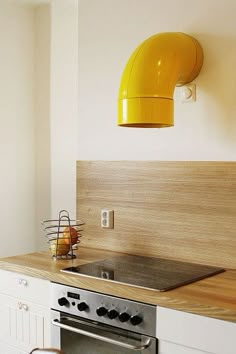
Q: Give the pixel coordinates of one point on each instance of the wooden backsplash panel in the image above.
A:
(178, 210)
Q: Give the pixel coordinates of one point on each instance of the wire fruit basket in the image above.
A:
(63, 235)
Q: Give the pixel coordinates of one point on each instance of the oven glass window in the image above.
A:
(75, 343)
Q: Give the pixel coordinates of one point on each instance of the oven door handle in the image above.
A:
(59, 324)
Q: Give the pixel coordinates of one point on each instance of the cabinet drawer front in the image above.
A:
(198, 332)
(25, 287)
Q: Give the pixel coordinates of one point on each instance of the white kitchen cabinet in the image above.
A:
(184, 333)
(25, 287)
(24, 313)
(171, 348)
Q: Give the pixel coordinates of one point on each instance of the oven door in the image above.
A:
(74, 335)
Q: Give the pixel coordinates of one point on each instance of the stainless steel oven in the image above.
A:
(85, 322)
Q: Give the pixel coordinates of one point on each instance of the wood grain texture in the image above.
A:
(177, 210)
(212, 297)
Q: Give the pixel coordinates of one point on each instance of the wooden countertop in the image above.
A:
(213, 297)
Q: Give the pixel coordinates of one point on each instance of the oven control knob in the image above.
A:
(101, 311)
(112, 314)
(124, 317)
(63, 301)
(136, 320)
(82, 306)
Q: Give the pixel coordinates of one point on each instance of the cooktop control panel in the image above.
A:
(110, 310)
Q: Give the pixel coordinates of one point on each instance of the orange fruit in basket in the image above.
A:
(59, 247)
(70, 235)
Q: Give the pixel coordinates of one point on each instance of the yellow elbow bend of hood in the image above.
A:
(160, 63)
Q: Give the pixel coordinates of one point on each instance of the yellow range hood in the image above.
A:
(160, 63)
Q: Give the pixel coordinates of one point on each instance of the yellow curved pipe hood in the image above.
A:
(160, 63)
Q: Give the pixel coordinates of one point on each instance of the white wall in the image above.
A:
(56, 48)
(109, 31)
(17, 189)
(38, 115)
(64, 104)
(42, 119)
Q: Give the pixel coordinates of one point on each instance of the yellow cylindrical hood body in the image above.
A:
(160, 63)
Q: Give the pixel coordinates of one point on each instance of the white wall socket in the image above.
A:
(107, 218)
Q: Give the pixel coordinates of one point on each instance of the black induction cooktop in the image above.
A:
(145, 272)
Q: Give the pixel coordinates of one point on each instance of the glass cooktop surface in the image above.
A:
(146, 272)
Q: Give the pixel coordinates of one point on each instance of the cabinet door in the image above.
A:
(171, 348)
(7, 349)
(24, 325)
